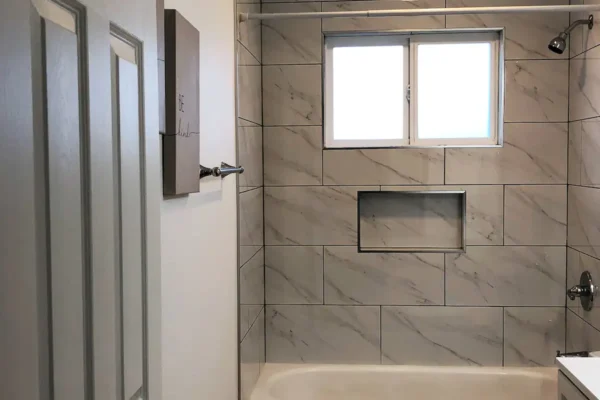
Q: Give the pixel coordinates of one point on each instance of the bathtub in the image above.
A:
(347, 382)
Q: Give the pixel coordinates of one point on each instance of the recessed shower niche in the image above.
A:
(411, 221)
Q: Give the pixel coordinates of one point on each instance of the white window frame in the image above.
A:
(355, 41)
(410, 41)
(479, 37)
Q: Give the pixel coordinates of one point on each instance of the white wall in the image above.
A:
(199, 232)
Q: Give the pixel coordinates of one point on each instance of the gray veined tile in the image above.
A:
(383, 23)
(317, 334)
(503, 276)
(292, 95)
(526, 35)
(442, 336)
(291, 41)
(532, 335)
(531, 154)
(411, 221)
(581, 336)
(584, 85)
(575, 152)
(576, 264)
(252, 280)
(294, 275)
(590, 152)
(383, 278)
(250, 94)
(246, 58)
(536, 91)
(311, 215)
(249, 31)
(250, 149)
(252, 357)
(293, 155)
(251, 217)
(247, 252)
(582, 38)
(383, 167)
(535, 215)
(248, 314)
(484, 214)
(584, 220)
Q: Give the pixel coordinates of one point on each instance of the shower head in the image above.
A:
(559, 43)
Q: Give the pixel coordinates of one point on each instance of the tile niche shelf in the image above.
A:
(412, 221)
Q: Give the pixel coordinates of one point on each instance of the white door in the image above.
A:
(79, 248)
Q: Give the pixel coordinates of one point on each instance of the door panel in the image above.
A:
(125, 81)
(65, 211)
(80, 233)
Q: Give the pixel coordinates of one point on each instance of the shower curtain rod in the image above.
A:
(421, 12)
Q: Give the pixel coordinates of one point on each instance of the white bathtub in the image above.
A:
(347, 382)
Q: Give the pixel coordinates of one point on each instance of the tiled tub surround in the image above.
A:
(250, 202)
(502, 301)
(583, 252)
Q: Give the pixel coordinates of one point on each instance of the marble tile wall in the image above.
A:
(583, 232)
(501, 302)
(250, 200)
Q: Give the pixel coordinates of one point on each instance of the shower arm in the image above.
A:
(588, 21)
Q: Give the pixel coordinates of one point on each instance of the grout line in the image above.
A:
(560, 306)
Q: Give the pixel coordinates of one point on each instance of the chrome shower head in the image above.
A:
(559, 43)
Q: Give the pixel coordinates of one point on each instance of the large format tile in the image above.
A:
(330, 334)
(575, 152)
(383, 167)
(249, 31)
(441, 336)
(411, 221)
(535, 215)
(383, 278)
(245, 57)
(484, 214)
(293, 155)
(250, 93)
(532, 153)
(532, 335)
(250, 156)
(295, 41)
(311, 215)
(382, 23)
(582, 38)
(584, 87)
(252, 357)
(576, 264)
(536, 91)
(584, 220)
(294, 275)
(248, 314)
(526, 35)
(581, 336)
(252, 280)
(251, 217)
(506, 276)
(292, 95)
(590, 152)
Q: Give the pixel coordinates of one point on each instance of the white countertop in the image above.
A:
(584, 373)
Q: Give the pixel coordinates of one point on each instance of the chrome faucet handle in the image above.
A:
(585, 291)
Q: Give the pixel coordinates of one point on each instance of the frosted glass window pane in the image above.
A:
(454, 90)
(368, 92)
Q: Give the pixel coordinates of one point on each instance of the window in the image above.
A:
(390, 90)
